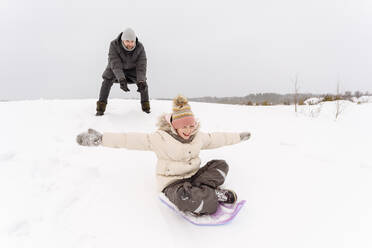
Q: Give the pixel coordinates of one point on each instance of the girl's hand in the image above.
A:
(90, 138)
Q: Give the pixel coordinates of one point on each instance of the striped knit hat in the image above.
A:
(182, 114)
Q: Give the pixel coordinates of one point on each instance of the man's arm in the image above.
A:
(115, 63)
(141, 66)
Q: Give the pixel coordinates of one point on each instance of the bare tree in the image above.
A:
(296, 88)
(338, 101)
(315, 109)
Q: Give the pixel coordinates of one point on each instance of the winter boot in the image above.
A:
(226, 196)
(145, 107)
(101, 107)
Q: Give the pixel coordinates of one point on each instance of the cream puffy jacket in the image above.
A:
(176, 160)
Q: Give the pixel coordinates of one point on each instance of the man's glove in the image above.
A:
(124, 84)
(90, 138)
(142, 86)
(245, 136)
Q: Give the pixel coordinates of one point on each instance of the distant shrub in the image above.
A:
(249, 103)
(348, 94)
(328, 98)
(301, 102)
(265, 103)
(358, 94)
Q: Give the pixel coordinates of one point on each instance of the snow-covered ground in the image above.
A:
(307, 177)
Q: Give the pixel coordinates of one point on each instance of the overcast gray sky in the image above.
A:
(58, 49)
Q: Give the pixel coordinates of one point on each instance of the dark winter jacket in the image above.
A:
(119, 60)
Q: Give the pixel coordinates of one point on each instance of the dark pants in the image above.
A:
(197, 193)
(131, 78)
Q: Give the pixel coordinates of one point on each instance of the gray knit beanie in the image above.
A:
(128, 34)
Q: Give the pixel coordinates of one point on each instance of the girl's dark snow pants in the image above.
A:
(197, 193)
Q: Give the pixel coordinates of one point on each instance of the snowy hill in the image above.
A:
(307, 177)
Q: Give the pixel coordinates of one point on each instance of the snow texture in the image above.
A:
(307, 178)
(313, 100)
(362, 99)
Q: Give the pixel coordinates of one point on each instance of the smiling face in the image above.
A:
(186, 131)
(129, 44)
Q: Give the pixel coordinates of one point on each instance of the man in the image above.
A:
(127, 64)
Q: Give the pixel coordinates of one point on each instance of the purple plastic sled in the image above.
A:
(225, 213)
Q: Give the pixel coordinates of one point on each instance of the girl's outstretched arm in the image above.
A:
(134, 141)
(219, 139)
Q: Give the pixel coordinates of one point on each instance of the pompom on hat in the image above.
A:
(182, 115)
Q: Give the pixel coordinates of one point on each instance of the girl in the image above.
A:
(177, 144)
